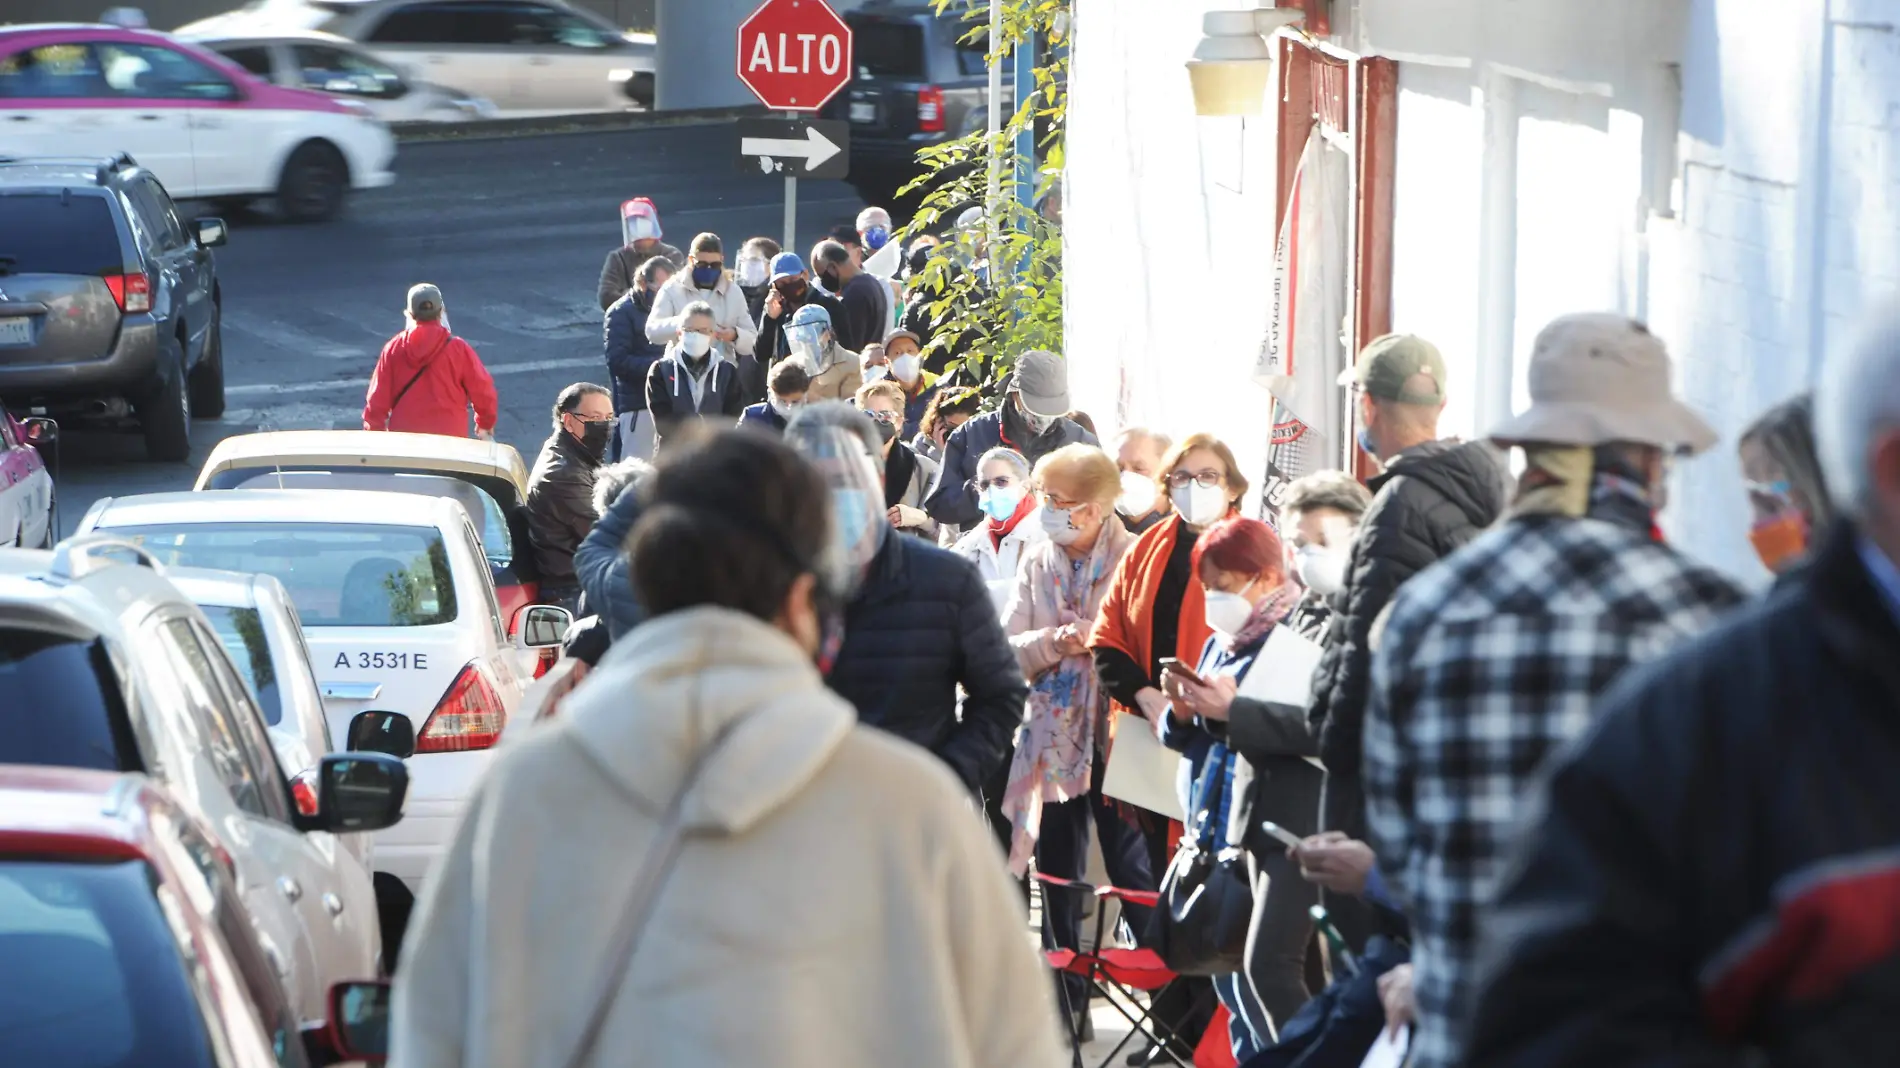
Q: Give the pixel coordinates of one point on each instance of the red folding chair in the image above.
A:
(1117, 975)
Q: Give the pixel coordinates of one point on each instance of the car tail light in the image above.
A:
(930, 109)
(470, 716)
(132, 292)
(546, 661)
(303, 790)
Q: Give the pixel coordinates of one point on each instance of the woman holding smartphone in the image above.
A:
(1258, 750)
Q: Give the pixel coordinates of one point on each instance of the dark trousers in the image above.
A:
(1063, 851)
(1281, 935)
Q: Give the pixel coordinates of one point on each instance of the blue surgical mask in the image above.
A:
(877, 237)
(1365, 442)
(706, 275)
(999, 502)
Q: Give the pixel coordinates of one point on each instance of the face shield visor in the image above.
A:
(858, 526)
(810, 342)
(639, 221)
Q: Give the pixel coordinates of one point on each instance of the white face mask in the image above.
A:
(1059, 524)
(1321, 570)
(1228, 613)
(786, 408)
(877, 372)
(907, 368)
(752, 272)
(1200, 505)
(695, 344)
(1138, 494)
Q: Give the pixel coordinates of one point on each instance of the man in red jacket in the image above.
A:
(427, 378)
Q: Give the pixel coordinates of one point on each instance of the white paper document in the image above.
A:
(1389, 1050)
(1283, 672)
(1142, 771)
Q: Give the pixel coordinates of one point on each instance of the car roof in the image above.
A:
(204, 585)
(371, 448)
(265, 33)
(35, 592)
(54, 32)
(77, 812)
(277, 506)
(59, 172)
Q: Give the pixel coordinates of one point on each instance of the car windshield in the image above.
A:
(62, 706)
(94, 977)
(338, 574)
(45, 233)
(482, 508)
(242, 632)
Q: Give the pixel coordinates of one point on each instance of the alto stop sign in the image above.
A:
(794, 54)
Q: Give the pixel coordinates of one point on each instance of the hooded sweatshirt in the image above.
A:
(425, 381)
(834, 905)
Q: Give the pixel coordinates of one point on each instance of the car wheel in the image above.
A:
(207, 379)
(313, 184)
(165, 417)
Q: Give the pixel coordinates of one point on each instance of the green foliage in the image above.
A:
(1019, 307)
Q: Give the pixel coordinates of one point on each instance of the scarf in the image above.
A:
(1062, 727)
(899, 468)
(1272, 609)
(1576, 481)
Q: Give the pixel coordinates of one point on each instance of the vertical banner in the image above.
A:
(1303, 354)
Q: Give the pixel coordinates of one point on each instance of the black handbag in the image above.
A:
(1200, 925)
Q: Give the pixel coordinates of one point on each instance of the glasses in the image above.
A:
(999, 482)
(1209, 478)
(881, 416)
(1061, 504)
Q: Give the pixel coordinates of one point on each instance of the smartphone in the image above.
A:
(1169, 663)
(1288, 838)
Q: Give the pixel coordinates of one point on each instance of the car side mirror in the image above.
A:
(358, 792)
(212, 233)
(40, 430)
(359, 1022)
(382, 732)
(540, 626)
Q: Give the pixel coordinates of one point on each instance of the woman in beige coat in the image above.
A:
(834, 902)
(1055, 780)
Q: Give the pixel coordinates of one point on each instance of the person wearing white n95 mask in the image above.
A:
(691, 383)
(1138, 453)
(1321, 511)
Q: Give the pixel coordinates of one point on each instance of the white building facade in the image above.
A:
(1726, 170)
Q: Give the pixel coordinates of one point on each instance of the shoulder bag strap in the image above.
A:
(661, 856)
(413, 379)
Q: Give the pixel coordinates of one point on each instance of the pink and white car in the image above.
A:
(26, 490)
(204, 126)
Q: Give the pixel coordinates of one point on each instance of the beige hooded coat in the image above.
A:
(837, 905)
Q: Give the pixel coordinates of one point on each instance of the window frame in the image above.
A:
(232, 93)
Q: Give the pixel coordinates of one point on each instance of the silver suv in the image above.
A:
(108, 304)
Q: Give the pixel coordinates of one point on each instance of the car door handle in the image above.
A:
(333, 904)
(209, 124)
(292, 889)
(21, 118)
(151, 118)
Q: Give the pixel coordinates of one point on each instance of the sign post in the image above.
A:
(794, 55)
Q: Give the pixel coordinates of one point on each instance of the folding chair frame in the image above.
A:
(1095, 968)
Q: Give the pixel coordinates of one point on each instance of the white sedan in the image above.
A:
(326, 63)
(399, 611)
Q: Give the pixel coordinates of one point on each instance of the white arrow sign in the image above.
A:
(815, 148)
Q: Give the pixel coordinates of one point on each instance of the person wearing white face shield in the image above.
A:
(1323, 511)
(640, 235)
(835, 371)
(919, 622)
(1032, 421)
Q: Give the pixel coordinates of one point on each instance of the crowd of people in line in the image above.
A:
(1554, 793)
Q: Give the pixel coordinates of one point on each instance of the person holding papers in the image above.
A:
(1240, 717)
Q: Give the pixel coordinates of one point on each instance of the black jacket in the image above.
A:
(560, 506)
(953, 496)
(1708, 879)
(671, 401)
(771, 347)
(1428, 502)
(922, 624)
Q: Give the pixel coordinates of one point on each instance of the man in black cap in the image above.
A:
(1033, 420)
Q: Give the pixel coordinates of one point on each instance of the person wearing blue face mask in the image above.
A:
(705, 280)
(874, 228)
(1009, 528)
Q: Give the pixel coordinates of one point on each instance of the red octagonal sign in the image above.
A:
(794, 54)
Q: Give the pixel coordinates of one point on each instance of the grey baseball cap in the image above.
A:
(425, 302)
(1043, 382)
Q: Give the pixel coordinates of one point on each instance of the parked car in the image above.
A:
(494, 490)
(125, 940)
(26, 489)
(326, 63)
(918, 84)
(530, 57)
(107, 666)
(204, 126)
(399, 612)
(109, 304)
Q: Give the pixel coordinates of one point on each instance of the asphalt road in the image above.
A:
(513, 230)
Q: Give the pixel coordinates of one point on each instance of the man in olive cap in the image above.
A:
(1433, 496)
(1492, 660)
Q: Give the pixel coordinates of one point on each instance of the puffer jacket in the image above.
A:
(1708, 877)
(953, 498)
(630, 353)
(1429, 501)
(921, 626)
(604, 570)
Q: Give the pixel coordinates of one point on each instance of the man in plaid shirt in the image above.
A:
(1492, 659)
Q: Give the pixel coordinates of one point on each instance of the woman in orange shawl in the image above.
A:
(1155, 609)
